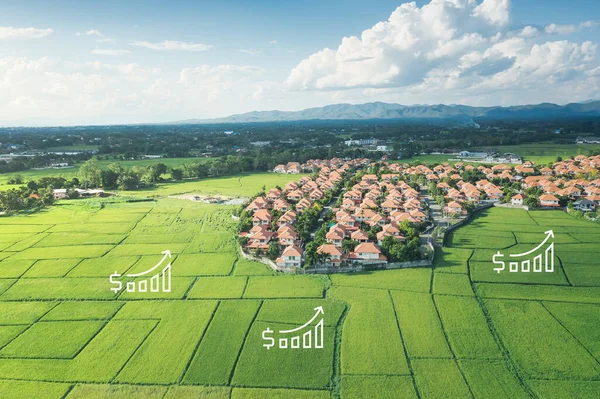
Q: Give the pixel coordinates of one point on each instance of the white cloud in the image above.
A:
(273, 42)
(99, 92)
(171, 45)
(94, 32)
(589, 24)
(9, 32)
(110, 52)
(494, 11)
(560, 29)
(100, 37)
(249, 51)
(461, 50)
(529, 31)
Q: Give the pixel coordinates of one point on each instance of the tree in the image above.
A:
(90, 173)
(46, 196)
(72, 193)
(176, 173)
(273, 251)
(128, 181)
(348, 245)
(109, 178)
(531, 202)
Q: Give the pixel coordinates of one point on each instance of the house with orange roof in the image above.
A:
(303, 204)
(369, 203)
(273, 194)
(359, 236)
(295, 195)
(290, 186)
(281, 205)
(454, 208)
(335, 236)
(548, 200)
(367, 252)
(517, 200)
(262, 217)
(390, 205)
(287, 218)
(258, 203)
(291, 257)
(333, 254)
(287, 236)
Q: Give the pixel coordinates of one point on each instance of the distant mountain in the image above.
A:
(461, 114)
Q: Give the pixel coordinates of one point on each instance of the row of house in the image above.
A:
(293, 199)
(373, 202)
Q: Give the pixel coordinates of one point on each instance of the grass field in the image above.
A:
(541, 153)
(456, 330)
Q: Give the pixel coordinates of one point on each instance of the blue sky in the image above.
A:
(72, 62)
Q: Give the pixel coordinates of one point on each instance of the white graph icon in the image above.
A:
(304, 337)
(159, 282)
(539, 259)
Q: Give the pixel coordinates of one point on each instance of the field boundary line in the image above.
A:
(68, 391)
(243, 345)
(195, 351)
(336, 372)
(245, 286)
(564, 272)
(187, 292)
(508, 362)
(234, 265)
(104, 324)
(157, 322)
(569, 331)
(69, 271)
(30, 325)
(454, 358)
(532, 218)
(408, 359)
(512, 367)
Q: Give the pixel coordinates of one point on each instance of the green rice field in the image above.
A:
(454, 330)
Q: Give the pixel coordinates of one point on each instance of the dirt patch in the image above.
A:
(211, 199)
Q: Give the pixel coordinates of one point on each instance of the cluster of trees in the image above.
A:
(116, 176)
(398, 251)
(35, 194)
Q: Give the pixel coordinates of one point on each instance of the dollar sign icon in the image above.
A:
(271, 339)
(112, 281)
(498, 269)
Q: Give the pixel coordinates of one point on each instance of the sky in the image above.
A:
(70, 62)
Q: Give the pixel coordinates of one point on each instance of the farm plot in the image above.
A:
(452, 284)
(209, 264)
(416, 280)
(298, 311)
(466, 328)
(420, 325)
(384, 387)
(581, 320)
(218, 352)
(492, 379)
(452, 260)
(218, 288)
(440, 378)
(538, 343)
(284, 287)
(51, 268)
(371, 317)
(59, 289)
(304, 368)
(52, 340)
(180, 329)
(539, 292)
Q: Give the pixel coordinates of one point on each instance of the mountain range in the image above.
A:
(461, 114)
